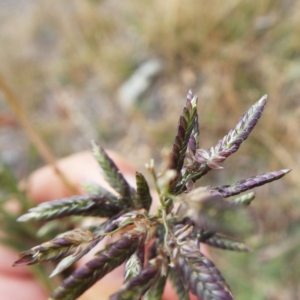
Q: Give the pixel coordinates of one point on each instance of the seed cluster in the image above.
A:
(172, 234)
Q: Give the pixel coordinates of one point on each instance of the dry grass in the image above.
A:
(66, 61)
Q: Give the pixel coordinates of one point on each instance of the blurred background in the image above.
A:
(118, 72)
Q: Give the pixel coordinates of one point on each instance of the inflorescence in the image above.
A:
(187, 216)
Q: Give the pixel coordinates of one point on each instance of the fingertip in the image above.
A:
(7, 257)
(10, 287)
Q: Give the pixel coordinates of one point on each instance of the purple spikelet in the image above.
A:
(173, 232)
(95, 269)
(250, 183)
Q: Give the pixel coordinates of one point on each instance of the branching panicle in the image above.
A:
(173, 232)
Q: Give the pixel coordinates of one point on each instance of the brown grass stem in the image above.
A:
(32, 134)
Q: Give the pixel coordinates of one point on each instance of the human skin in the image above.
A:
(44, 185)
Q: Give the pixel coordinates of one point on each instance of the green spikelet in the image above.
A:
(112, 173)
(143, 192)
(225, 243)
